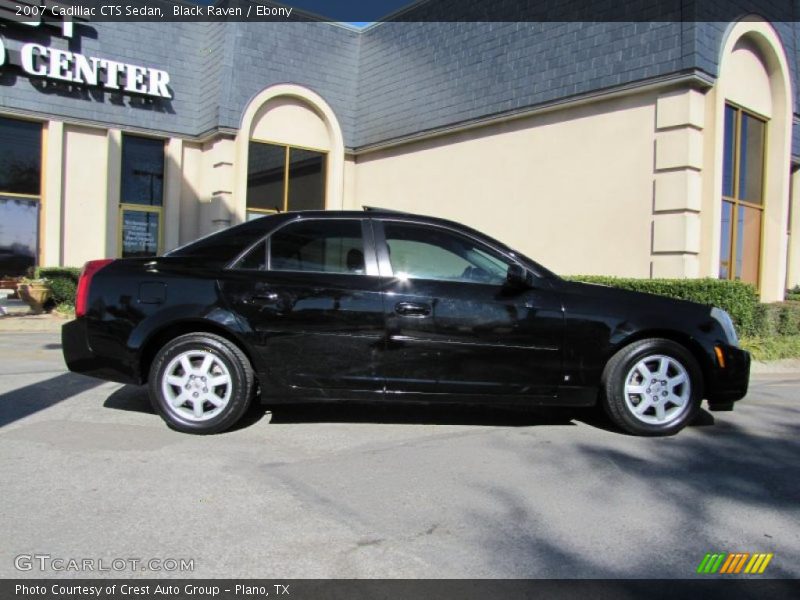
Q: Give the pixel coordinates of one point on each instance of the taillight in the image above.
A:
(85, 280)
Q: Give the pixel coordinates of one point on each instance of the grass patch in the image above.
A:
(772, 347)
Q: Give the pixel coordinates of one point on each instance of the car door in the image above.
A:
(310, 297)
(452, 323)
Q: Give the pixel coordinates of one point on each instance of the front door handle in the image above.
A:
(412, 309)
(265, 298)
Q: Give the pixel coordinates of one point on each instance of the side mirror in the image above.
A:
(519, 277)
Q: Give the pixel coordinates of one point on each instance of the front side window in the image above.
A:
(281, 178)
(318, 246)
(742, 195)
(20, 193)
(142, 200)
(423, 252)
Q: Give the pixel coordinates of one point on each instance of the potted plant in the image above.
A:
(35, 293)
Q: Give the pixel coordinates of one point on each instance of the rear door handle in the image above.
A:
(265, 298)
(412, 309)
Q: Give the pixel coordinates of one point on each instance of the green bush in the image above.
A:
(63, 282)
(739, 299)
(779, 318)
(773, 348)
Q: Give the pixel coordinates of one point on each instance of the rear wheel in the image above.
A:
(201, 383)
(652, 387)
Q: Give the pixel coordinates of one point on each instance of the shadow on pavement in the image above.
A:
(135, 398)
(418, 414)
(25, 401)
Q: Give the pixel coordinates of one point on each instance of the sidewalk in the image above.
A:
(20, 319)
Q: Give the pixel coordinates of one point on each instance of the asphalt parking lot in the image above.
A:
(88, 471)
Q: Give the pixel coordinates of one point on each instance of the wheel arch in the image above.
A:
(158, 338)
(685, 340)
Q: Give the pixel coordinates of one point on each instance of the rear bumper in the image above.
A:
(730, 383)
(80, 357)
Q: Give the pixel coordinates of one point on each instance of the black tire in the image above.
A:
(228, 361)
(620, 405)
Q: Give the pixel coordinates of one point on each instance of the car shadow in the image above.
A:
(29, 399)
(417, 414)
(135, 398)
(132, 398)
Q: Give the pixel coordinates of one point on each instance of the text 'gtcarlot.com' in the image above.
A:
(46, 562)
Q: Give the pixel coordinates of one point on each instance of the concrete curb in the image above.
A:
(773, 367)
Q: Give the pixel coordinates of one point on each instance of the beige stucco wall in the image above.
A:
(190, 194)
(292, 122)
(793, 274)
(572, 189)
(85, 214)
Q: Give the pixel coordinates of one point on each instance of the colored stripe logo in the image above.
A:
(732, 563)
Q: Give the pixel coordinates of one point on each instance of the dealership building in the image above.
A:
(665, 148)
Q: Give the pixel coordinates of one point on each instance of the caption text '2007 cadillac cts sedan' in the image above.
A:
(386, 306)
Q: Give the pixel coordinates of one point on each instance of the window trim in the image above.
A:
(386, 263)
(739, 112)
(367, 238)
(123, 206)
(41, 199)
(286, 162)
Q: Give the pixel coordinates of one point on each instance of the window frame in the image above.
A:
(39, 198)
(385, 263)
(129, 206)
(734, 200)
(286, 171)
(367, 238)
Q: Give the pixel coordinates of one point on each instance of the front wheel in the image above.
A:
(652, 387)
(201, 383)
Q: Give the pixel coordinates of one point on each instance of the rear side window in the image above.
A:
(225, 245)
(322, 246)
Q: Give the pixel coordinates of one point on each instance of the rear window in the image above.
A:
(322, 246)
(227, 244)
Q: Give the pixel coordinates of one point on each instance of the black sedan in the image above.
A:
(386, 306)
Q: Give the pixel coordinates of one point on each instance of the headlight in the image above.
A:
(725, 321)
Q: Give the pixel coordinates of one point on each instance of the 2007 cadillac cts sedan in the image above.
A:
(386, 306)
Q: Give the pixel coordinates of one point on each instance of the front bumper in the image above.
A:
(729, 383)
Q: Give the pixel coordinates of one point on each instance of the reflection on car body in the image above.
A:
(380, 305)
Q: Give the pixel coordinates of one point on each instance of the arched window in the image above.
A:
(291, 153)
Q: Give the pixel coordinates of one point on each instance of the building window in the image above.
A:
(142, 200)
(742, 195)
(281, 178)
(20, 193)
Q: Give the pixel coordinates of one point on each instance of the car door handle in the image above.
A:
(265, 298)
(412, 309)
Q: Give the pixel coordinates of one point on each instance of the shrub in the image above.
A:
(773, 348)
(779, 318)
(63, 282)
(739, 299)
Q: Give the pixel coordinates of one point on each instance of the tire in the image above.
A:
(652, 387)
(201, 383)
